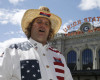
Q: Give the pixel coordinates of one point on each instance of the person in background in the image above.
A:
(35, 59)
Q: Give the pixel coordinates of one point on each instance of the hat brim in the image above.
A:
(31, 14)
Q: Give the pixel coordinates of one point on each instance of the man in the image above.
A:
(35, 59)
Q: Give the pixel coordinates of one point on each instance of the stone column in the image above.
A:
(94, 57)
(78, 59)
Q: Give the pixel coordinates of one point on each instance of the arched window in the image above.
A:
(71, 60)
(87, 59)
(99, 58)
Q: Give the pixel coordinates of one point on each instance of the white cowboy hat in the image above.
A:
(31, 14)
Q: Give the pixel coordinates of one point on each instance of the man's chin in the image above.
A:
(42, 41)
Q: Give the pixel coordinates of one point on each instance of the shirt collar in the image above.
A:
(37, 44)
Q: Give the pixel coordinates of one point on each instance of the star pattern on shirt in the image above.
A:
(30, 70)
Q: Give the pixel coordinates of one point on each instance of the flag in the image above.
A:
(30, 70)
(57, 61)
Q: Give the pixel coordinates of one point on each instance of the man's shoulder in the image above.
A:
(54, 50)
(24, 46)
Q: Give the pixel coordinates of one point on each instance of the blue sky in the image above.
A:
(11, 12)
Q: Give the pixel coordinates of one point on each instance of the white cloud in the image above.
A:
(11, 32)
(11, 16)
(19, 33)
(89, 4)
(15, 1)
(17, 16)
(6, 43)
(61, 31)
(4, 22)
(14, 32)
(67, 23)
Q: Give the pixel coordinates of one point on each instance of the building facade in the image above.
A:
(81, 49)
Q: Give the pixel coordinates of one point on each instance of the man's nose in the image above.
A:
(43, 24)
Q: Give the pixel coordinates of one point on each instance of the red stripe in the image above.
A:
(60, 64)
(60, 78)
(45, 13)
(59, 70)
(57, 58)
(54, 50)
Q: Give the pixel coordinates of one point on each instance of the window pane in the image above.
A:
(71, 60)
(87, 59)
(99, 58)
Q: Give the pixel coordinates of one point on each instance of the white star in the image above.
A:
(23, 77)
(38, 70)
(22, 67)
(28, 71)
(27, 61)
(33, 66)
(34, 75)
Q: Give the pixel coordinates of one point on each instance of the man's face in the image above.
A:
(40, 30)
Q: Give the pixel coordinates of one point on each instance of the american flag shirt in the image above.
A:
(31, 60)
